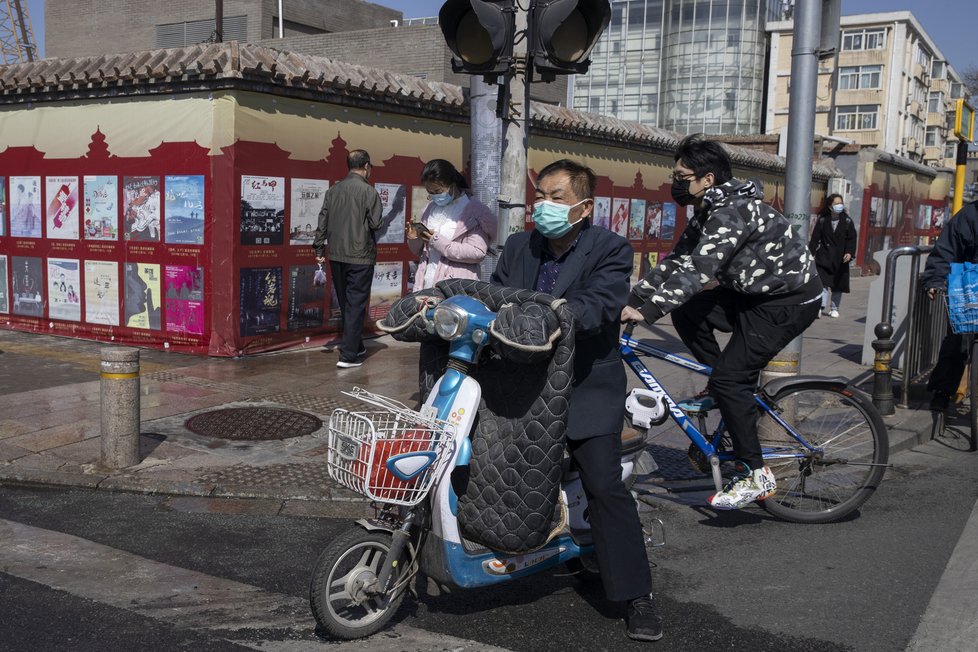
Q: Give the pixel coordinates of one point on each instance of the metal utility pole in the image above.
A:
(218, 21)
(801, 134)
(516, 112)
(17, 43)
(486, 144)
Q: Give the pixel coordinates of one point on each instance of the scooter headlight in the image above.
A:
(450, 321)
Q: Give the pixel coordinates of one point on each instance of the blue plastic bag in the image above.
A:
(962, 297)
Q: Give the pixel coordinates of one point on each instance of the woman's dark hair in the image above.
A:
(582, 178)
(703, 156)
(827, 209)
(440, 170)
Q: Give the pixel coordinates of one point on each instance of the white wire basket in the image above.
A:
(391, 454)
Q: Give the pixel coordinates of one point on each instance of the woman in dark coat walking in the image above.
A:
(834, 244)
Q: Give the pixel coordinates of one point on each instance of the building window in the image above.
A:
(864, 39)
(935, 102)
(957, 90)
(932, 137)
(614, 107)
(950, 150)
(178, 35)
(856, 117)
(937, 69)
(595, 105)
(855, 77)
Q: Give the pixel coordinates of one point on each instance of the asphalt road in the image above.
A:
(110, 571)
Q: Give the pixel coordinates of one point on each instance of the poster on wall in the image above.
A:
(101, 208)
(924, 217)
(937, 219)
(64, 296)
(27, 281)
(668, 229)
(419, 202)
(141, 204)
(261, 300)
(649, 261)
(602, 212)
(184, 209)
(636, 222)
(102, 292)
(385, 288)
(62, 210)
(183, 299)
(392, 198)
(874, 211)
(3, 206)
(4, 287)
(142, 298)
(636, 267)
(619, 216)
(262, 210)
(306, 202)
(25, 207)
(307, 302)
(653, 219)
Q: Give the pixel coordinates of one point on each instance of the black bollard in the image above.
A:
(882, 369)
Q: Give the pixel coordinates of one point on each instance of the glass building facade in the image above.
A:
(683, 65)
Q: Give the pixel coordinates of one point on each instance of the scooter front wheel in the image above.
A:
(343, 593)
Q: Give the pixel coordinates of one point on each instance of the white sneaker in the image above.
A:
(744, 488)
(834, 314)
(344, 364)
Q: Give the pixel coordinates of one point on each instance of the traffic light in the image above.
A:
(564, 32)
(480, 34)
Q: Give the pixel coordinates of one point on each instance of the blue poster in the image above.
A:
(668, 221)
(183, 209)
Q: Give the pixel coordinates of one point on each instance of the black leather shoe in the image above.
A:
(939, 401)
(643, 620)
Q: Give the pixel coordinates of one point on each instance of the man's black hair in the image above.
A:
(703, 156)
(357, 159)
(442, 171)
(581, 177)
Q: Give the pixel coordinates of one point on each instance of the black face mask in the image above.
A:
(680, 192)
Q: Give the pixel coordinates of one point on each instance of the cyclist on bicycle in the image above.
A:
(957, 243)
(767, 293)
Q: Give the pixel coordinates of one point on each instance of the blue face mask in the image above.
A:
(838, 208)
(550, 218)
(443, 199)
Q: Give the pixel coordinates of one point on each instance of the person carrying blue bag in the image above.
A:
(957, 243)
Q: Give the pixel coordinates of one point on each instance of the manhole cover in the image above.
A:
(253, 423)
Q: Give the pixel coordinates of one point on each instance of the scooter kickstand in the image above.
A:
(715, 470)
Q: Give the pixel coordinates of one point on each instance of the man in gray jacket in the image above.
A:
(350, 215)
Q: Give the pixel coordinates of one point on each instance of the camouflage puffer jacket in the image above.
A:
(735, 238)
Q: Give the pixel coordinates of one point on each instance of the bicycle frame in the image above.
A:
(708, 446)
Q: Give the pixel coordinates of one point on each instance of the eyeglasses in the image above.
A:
(678, 176)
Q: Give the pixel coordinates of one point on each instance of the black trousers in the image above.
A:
(759, 331)
(950, 365)
(352, 283)
(617, 532)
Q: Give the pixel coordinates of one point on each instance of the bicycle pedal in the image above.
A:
(697, 406)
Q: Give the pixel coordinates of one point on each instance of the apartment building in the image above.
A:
(890, 88)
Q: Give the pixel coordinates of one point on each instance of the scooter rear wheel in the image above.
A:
(339, 592)
(585, 569)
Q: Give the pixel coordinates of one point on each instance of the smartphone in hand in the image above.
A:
(420, 228)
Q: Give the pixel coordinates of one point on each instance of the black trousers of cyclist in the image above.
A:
(759, 328)
(619, 543)
(950, 365)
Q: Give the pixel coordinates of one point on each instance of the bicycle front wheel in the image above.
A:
(841, 461)
(973, 392)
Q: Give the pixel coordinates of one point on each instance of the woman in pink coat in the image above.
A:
(455, 230)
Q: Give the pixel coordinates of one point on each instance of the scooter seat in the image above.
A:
(632, 441)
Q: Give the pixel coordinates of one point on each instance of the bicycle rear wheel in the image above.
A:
(845, 458)
(973, 392)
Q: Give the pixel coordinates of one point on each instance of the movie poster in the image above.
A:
(649, 261)
(184, 206)
(924, 217)
(142, 297)
(62, 210)
(262, 211)
(874, 211)
(25, 207)
(636, 223)
(307, 302)
(334, 319)
(306, 202)
(141, 203)
(4, 286)
(385, 288)
(653, 220)
(419, 202)
(668, 231)
(64, 294)
(937, 219)
(102, 292)
(261, 300)
(602, 212)
(27, 281)
(636, 267)
(619, 216)
(101, 208)
(3, 206)
(392, 198)
(183, 298)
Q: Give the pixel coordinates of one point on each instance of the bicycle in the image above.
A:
(824, 440)
(965, 325)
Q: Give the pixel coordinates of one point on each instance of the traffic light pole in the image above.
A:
(515, 113)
